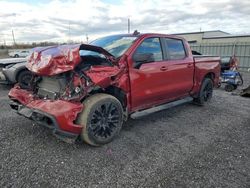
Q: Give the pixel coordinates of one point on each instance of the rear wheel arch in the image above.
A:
(210, 75)
(205, 92)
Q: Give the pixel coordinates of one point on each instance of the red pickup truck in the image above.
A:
(88, 91)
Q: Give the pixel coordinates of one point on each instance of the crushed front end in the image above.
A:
(59, 85)
(58, 115)
(49, 103)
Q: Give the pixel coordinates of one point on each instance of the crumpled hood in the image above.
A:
(48, 61)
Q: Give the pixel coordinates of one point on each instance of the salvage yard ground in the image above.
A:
(185, 146)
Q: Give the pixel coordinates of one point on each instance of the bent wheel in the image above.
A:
(101, 118)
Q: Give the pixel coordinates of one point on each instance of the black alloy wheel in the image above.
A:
(206, 92)
(104, 121)
(101, 118)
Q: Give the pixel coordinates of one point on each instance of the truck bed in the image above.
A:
(205, 58)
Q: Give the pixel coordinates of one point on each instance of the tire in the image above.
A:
(205, 93)
(16, 55)
(23, 79)
(98, 128)
(230, 87)
(219, 85)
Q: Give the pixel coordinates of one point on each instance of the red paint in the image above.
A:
(48, 61)
(153, 84)
(102, 76)
(54, 60)
(65, 112)
(150, 86)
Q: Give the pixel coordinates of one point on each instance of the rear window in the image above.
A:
(175, 49)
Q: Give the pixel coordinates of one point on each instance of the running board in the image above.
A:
(142, 113)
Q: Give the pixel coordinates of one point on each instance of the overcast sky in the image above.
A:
(60, 21)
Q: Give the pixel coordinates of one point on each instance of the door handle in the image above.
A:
(163, 68)
(189, 65)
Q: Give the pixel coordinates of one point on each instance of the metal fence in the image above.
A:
(241, 50)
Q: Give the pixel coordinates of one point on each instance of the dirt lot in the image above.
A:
(185, 146)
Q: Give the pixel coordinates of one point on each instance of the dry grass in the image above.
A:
(3, 54)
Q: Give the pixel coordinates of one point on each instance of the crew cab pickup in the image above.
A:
(88, 91)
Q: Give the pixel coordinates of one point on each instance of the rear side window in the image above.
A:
(151, 45)
(175, 49)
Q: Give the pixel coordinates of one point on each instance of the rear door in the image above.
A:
(180, 68)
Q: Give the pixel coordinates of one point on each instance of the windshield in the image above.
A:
(116, 45)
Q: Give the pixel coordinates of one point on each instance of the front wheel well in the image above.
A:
(114, 91)
(117, 93)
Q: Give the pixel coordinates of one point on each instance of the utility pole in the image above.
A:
(87, 38)
(128, 25)
(13, 36)
(69, 33)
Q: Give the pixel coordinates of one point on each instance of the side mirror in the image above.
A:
(141, 58)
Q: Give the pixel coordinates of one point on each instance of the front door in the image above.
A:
(148, 80)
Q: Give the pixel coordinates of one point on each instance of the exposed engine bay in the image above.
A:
(53, 87)
(74, 83)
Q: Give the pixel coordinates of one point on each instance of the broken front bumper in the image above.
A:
(58, 115)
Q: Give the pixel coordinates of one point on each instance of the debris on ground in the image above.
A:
(245, 92)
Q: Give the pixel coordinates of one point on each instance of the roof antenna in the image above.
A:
(136, 32)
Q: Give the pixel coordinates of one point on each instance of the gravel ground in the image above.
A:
(185, 146)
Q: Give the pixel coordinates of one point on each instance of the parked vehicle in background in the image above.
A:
(14, 70)
(19, 53)
(89, 90)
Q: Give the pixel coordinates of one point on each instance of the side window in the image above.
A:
(153, 46)
(175, 49)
